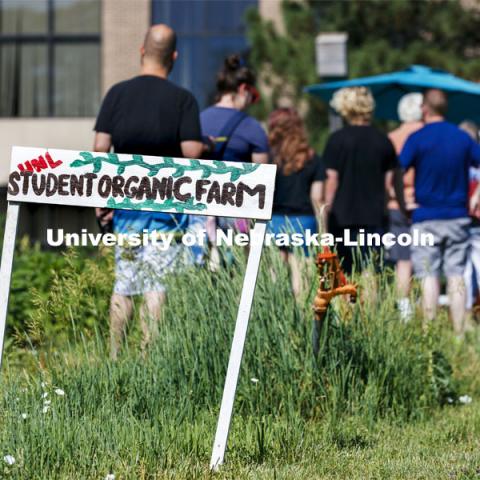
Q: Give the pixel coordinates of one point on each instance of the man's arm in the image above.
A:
(190, 132)
(260, 157)
(102, 142)
(331, 186)
(316, 197)
(394, 191)
(407, 155)
(191, 149)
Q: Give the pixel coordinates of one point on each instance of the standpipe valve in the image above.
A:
(332, 282)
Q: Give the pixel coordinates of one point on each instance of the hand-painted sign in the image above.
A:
(140, 182)
(165, 184)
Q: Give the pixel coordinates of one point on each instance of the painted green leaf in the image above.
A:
(97, 165)
(235, 175)
(179, 172)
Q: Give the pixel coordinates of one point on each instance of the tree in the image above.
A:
(383, 36)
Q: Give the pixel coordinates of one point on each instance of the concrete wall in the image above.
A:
(271, 10)
(68, 133)
(124, 24)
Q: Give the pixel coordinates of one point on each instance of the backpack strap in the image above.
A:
(227, 132)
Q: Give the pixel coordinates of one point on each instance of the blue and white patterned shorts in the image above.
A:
(142, 269)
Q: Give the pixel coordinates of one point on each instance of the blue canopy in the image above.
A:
(388, 88)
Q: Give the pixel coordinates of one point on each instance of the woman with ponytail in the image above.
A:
(235, 136)
(232, 134)
(298, 199)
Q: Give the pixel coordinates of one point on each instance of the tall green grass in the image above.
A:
(141, 417)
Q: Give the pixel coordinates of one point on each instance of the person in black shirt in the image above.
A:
(360, 161)
(298, 185)
(147, 115)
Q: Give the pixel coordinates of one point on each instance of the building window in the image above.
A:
(49, 58)
(207, 31)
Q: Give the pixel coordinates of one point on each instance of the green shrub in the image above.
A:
(55, 293)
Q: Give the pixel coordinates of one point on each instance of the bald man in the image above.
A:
(441, 155)
(146, 115)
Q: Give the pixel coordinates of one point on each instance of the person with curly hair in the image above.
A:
(299, 183)
(360, 161)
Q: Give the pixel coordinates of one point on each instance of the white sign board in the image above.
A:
(138, 182)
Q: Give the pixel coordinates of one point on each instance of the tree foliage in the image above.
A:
(383, 36)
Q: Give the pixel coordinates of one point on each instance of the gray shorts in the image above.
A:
(398, 224)
(142, 269)
(449, 252)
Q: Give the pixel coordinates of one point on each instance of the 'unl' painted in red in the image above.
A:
(39, 164)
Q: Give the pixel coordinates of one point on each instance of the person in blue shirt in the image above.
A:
(245, 140)
(233, 135)
(441, 155)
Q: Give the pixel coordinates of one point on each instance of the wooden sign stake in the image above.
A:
(6, 266)
(238, 342)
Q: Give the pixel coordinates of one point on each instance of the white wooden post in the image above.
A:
(6, 266)
(241, 326)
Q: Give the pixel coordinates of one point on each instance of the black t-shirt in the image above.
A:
(292, 192)
(149, 115)
(361, 155)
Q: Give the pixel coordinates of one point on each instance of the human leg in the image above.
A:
(399, 254)
(293, 224)
(403, 272)
(457, 295)
(121, 303)
(156, 265)
(121, 307)
(427, 264)
(456, 255)
(468, 281)
(430, 294)
(150, 316)
(295, 274)
(294, 268)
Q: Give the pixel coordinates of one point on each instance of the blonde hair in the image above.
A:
(353, 102)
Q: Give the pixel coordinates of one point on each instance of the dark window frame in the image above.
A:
(50, 38)
(202, 33)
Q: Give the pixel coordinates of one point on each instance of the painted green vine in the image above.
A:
(214, 167)
(169, 204)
